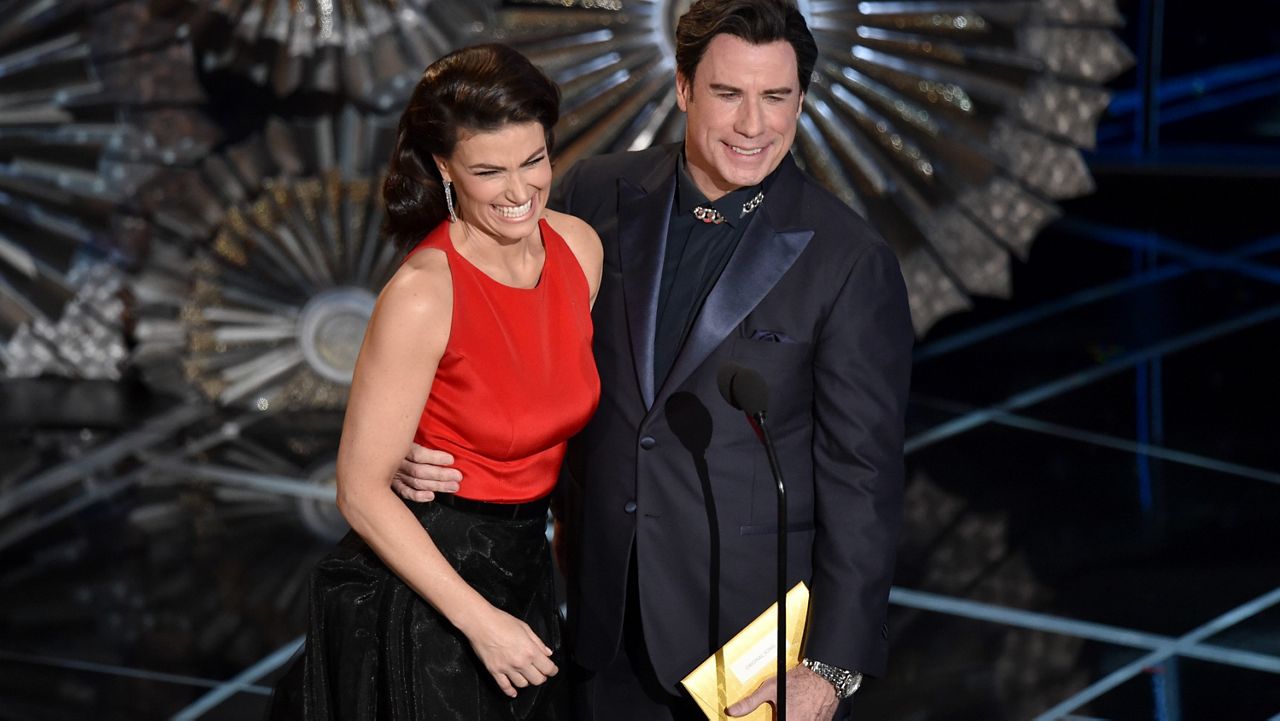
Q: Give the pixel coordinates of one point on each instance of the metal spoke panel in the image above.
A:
(266, 262)
(93, 98)
(370, 51)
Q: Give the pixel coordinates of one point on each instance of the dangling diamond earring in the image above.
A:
(448, 200)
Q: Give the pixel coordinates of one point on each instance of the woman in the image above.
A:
(480, 345)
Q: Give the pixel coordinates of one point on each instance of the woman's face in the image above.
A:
(500, 179)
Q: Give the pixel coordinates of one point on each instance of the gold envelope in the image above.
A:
(748, 659)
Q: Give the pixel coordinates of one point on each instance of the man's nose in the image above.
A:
(750, 120)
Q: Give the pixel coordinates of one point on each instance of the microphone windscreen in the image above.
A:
(724, 379)
(743, 388)
(751, 391)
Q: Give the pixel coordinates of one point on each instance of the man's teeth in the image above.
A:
(514, 212)
(744, 151)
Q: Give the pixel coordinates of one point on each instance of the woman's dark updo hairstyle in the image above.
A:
(479, 89)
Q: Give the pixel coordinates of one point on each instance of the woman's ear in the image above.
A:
(443, 167)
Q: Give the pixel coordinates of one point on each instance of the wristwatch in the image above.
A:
(845, 682)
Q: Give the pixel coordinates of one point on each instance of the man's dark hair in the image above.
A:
(758, 22)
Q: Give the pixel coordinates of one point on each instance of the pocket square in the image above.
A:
(772, 336)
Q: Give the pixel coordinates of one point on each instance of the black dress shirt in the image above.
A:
(696, 254)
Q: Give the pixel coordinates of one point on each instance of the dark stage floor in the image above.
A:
(1093, 503)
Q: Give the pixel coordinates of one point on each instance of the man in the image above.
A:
(720, 250)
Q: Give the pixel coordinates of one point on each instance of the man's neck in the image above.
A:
(702, 179)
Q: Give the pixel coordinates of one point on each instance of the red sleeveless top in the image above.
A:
(517, 378)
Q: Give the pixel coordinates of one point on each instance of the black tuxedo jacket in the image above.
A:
(813, 299)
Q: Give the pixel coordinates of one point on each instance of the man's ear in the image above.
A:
(800, 106)
(684, 91)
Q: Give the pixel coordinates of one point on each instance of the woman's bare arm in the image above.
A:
(403, 345)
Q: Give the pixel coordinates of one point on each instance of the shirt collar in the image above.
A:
(688, 196)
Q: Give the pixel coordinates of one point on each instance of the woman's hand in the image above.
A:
(510, 651)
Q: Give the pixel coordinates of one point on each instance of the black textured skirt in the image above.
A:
(376, 651)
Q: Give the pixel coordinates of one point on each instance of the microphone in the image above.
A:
(745, 389)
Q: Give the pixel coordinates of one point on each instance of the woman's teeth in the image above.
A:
(516, 211)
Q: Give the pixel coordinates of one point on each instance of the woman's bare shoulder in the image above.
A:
(421, 286)
(579, 234)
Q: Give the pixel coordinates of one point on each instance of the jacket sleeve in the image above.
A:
(862, 367)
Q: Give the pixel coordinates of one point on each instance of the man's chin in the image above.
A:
(745, 175)
(746, 180)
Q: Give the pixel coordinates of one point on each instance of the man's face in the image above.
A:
(742, 104)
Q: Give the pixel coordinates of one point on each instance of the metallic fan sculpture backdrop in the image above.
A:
(265, 265)
(369, 51)
(952, 126)
(94, 97)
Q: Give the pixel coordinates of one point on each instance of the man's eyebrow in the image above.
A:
(722, 88)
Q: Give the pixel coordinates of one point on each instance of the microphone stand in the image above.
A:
(762, 430)
(745, 389)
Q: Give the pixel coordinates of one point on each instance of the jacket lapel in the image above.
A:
(643, 215)
(763, 256)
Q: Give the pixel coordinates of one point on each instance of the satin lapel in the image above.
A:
(643, 215)
(760, 260)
